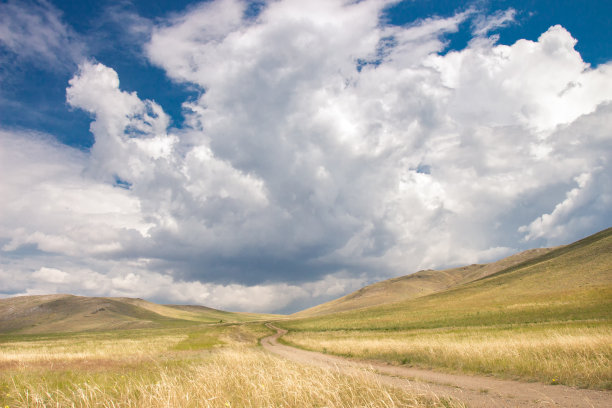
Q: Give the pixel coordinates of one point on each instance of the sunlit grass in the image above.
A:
(219, 366)
(66, 350)
(571, 283)
(578, 354)
(547, 318)
(231, 377)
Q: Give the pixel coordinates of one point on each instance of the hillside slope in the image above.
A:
(418, 284)
(569, 283)
(68, 313)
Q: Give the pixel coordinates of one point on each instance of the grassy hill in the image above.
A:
(547, 318)
(418, 284)
(570, 282)
(68, 313)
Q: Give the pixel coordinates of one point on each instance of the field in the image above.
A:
(418, 285)
(548, 319)
(571, 354)
(68, 313)
(205, 366)
(542, 316)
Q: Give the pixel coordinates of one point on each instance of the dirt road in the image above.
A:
(474, 391)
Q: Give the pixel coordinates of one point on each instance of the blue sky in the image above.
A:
(272, 155)
(43, 91)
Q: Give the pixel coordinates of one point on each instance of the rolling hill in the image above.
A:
(68, 313)
(569, 283)
(418, 284)
(573, 282)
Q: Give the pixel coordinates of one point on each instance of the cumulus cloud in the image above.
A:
(49, 205)
(588, 199)
(551, 225)
(129, 132)
(325, 151)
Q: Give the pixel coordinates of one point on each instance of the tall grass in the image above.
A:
(578, 354)
(231, 377)
(548, 319)
(74, 349)
(195, 369)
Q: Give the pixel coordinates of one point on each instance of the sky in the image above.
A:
(268, 156)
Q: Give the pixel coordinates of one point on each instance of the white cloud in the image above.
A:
(497, 85)
(47, 201)
(35, 31)
(549, 224)
(50, 275)
(130, 133)
(589, 199)
(482, 119)
(325, 151)
(483, 24)
(133, 280)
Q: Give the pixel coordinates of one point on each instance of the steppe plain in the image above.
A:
(533, 329)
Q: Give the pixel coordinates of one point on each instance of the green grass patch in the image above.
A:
(201, 340)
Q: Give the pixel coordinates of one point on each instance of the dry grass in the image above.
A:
(234, 377)
(234, 374)
(417, 285)
(90, 348)
(570, 354)
(69, 314)
(570, 283)
(547, 318)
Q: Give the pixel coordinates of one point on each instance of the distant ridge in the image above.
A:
(419, 284)
(571, 283)
(69, 313)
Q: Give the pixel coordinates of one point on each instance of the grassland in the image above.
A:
(547, 319)
(68, 313)
(203, 366)
(575, 354)
(418, 284)
(543, 317)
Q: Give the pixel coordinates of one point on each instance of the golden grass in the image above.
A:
(236, 377)
(89, 348)
(549, 317)
(576, 355)
(233, 373)
(418, 284)
(570, 283)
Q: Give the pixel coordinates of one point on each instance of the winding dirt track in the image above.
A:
(474, 391)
